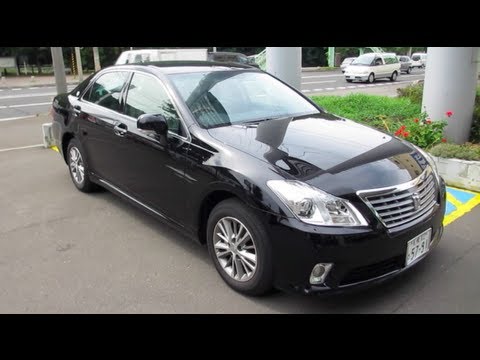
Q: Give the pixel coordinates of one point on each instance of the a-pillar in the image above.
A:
(450, 85)
(286, 64)
(59, 70)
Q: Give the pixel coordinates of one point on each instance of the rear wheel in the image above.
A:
(78, 167)
(349, 80)
(409, 70)
(371, 78)
(240, 248)
(394, 76)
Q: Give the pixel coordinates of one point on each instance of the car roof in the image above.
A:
(186, 66)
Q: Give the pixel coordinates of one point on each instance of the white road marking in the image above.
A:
(341, 88)
(24, 105)
(17, 118)
(306, 90)
(351, 87)
(330, 89)
(322, 76)
(17, 89)
(33, 88)
(26, 96)
(318, 89)
(319, 82)
(21, 147)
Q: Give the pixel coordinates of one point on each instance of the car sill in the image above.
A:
(113, 187)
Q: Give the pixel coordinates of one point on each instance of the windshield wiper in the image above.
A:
(262, 120)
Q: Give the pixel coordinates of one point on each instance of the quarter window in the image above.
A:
(106, 90)
(146, 96)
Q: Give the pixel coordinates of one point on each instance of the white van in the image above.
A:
(372, 66)
(419, 60)
(148, 55)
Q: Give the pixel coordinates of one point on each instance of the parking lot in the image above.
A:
(62, 251)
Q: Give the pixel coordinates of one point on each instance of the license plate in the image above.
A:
(418, 246)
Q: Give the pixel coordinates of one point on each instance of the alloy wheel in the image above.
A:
(77, 167)
(235, 249)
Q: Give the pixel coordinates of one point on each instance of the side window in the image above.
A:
(147, 96)
(106, 90)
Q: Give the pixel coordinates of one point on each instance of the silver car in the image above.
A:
(346, 62)
(405, 64)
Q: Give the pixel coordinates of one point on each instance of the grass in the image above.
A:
(466, 151)
(378, 111)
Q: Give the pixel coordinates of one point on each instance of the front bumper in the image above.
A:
(356, 77)
(361, 257)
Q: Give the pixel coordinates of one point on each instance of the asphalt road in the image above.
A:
(334, 81)
(62, 251)
(28, 101)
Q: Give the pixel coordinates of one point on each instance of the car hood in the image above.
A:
(334, 154)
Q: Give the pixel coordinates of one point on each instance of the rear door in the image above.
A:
(98, 114)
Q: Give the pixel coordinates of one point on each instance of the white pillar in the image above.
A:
(286, 64)
(79, 64)
(450, 84)
(96, 59)
(59, 70)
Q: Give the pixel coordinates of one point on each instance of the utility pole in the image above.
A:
(286, 64)
(331, 57)
(450, 84)
(79, 64)
(59, 70)
(96, 59)
(214, 49)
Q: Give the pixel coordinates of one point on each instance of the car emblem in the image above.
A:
(416, 201)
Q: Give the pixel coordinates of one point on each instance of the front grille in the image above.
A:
(404, 203)
(372, 271)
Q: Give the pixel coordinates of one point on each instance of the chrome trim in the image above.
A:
(428, 197)
(132, 198)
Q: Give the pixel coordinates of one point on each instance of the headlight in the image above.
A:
(430, 161)
(315, 206)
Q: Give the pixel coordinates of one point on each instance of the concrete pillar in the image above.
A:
(59, 70)
(286, 64)
(96, 59)
(79, 64)
(331, 56)
(450, 84)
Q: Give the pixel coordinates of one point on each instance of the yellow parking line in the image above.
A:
(462, 209)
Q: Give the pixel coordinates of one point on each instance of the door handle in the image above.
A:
(120, 129)
(77, 109)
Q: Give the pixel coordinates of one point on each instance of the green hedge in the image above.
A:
(465, 151)
(379, 111)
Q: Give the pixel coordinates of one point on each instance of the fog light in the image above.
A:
(319, 273)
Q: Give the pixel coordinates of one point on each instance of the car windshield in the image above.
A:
(416, 57)
(221, 98)
(365, 59)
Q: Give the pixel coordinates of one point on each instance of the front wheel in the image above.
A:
(371, 78)
(394, 76)
(349, 80)
(240, 248)
(409, 70)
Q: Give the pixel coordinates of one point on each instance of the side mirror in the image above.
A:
(153, 122)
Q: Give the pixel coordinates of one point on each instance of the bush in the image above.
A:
(466, 151)
(475, 132)
(412, 92)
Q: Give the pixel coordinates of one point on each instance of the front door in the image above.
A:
(154, 169)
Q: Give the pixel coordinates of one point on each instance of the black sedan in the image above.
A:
(284, 194)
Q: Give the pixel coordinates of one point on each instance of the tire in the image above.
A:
(371, 78)
(78, 167)
(394, 76)
(349, 80)
(232, 214)
(409, 70)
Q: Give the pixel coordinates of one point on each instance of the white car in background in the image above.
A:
(419, 60)
(347, 61)
(372, 66)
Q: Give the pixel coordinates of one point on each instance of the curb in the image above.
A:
(10, 87)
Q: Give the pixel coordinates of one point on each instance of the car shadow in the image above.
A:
(384, 298)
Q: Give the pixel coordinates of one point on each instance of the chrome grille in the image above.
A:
(404, 203)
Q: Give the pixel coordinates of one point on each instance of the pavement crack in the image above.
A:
(27, 226)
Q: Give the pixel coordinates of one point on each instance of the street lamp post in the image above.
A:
(59, 70)
(286, 64)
